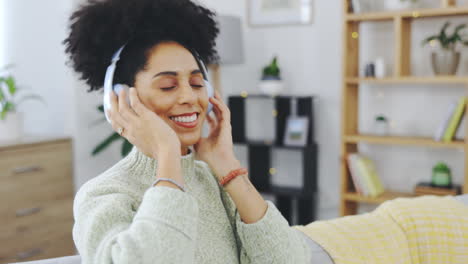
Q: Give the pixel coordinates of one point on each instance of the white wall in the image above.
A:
(34, 31)
(2, 33)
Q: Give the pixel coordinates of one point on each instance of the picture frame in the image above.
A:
(279, 12)
(297, 130)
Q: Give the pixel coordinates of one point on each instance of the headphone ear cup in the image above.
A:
(119, 87)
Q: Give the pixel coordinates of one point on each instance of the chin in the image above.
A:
(191, 139)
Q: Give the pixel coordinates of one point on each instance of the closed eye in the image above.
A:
(167, 88)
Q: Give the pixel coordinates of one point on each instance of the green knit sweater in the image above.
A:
(121, 218)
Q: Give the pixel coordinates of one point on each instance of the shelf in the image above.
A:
(418, 141)
(386, 196)
(411, 80)
(416, 13)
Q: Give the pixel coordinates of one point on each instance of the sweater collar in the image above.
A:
(139, 159)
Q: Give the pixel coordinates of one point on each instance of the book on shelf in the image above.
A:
(451, 123)
(444, 125)
(354, 171)
(364, 175)
(426, 188)
(455, 120)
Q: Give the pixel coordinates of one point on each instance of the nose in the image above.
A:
(187, 94)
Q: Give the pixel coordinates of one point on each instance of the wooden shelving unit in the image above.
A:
(350, 137)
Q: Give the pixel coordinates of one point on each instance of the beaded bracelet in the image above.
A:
(169, 180)
(232, 175)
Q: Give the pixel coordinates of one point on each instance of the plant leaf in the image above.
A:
(115, 136)
(10, 81)
(126, 148)
(9, 106)
(429, 39)
(3, 114)
(101, 108)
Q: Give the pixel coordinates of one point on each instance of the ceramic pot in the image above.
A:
(12, 127)
(271, 87)
(381, 128)
(445, 62)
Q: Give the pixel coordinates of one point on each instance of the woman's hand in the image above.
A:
(217, 150)
(142, 127)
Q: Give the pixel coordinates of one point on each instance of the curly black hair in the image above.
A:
(100, 27)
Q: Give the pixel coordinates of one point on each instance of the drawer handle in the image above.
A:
(21, 170)
(27, 211)
(29, 253)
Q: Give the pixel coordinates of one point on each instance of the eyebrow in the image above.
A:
(173, 73)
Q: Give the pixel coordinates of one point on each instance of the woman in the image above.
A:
(125, 215)
(161, 204)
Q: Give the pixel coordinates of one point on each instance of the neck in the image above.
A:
(184, 150)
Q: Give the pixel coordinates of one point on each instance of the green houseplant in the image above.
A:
(271, 82)
(445, 60)
(272, 71)
(126, 145)
(11, 121)
(441, 175)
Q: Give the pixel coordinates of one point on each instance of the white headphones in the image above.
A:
(109, 79)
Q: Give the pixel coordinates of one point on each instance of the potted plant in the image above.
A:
(271, 83)
(381, 125)
(11, 121)
(400, 4)
(445, 61)
(441, 175)
(126, 145)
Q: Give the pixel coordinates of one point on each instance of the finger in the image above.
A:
(217, 95)
(217, 112)
(124, 109)
(117, 121)
(212, 122)
(225, 112)
(136, 103)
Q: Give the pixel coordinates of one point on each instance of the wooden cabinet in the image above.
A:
(36, 194)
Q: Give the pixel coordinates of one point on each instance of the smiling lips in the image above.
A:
(189, 120)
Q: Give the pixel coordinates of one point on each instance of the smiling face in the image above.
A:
(172, 86)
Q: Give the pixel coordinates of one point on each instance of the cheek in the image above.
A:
(159, 104)
(203, 100)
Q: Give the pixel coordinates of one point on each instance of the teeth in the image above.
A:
(185, 119)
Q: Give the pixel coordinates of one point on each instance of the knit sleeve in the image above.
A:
(108, 228)
(269, 240)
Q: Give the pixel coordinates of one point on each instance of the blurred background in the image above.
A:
(309, 82)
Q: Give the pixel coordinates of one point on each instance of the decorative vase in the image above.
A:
(271, 87)
(399, 4)
(445, 62)
(12, 127)
(380, 69)
(381, 128)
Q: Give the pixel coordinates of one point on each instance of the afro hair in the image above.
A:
(100, 27)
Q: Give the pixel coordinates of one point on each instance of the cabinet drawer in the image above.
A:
(51, 225)
(22, 220)
(51, 245)
(33, 175)
(24, 163)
